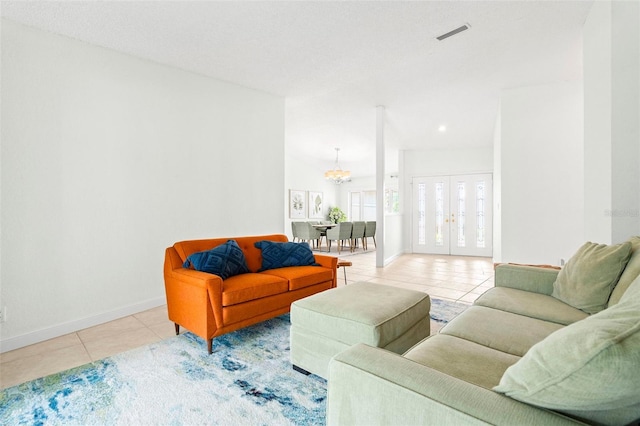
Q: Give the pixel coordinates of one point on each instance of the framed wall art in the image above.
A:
(297, 207)
(316, 205)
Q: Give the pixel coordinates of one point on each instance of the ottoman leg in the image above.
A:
(301, 370)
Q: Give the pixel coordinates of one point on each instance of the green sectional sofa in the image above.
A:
(522, 354)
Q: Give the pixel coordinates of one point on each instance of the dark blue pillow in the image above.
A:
(226, 260)
(280, 255)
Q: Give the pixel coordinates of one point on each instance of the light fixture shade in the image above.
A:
(337, 175)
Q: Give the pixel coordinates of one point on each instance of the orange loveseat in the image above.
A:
(209, 306)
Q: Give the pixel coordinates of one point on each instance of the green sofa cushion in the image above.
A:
(590, 275)
(633, 291)
(500, 330)
(461, 358)
(589, 369)
(529, 304)
(631, 271)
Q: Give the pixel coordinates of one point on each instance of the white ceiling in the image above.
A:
(335, 61)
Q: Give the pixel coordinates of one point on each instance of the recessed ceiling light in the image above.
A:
(442, 128)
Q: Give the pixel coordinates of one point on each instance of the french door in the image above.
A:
(453, 215)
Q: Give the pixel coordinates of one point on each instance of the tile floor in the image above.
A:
(460, 279)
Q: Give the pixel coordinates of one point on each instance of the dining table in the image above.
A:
(325, 226)
(323, 231)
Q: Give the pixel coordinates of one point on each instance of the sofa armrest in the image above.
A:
(198, 278)
(371, 386)
(194, 298)
(328, 262)
(528, 278)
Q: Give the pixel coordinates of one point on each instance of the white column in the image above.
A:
(625, 129)
(611, 130)
(380, 185)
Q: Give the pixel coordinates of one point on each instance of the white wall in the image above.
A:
(541, 167)
(107, 160)
(447, 161)
(393, 241)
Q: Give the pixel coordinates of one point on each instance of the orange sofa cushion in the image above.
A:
(301, 276)
(245, 287)
(255, 308)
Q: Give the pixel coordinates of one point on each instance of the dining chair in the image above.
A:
(294, 231)
(306, 232)
(370, 231)
(357, 233)
(340, 233)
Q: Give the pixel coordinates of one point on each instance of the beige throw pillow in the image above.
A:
(588, 278)
(589, 369)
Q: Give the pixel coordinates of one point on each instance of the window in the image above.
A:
(355, 211)
(362, 205)
(391, 201)
(369, 205)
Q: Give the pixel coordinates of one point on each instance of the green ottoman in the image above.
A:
(329, 322)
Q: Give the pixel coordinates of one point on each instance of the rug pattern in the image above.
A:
(248, 380)
(443, 311)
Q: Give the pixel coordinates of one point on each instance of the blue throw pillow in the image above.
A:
(280, 255)
(226, 260)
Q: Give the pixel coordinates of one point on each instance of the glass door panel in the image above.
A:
(430, 215)
(452, 215)
(472, 230)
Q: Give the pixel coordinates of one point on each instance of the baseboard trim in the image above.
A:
(77, 325)
(392, 258)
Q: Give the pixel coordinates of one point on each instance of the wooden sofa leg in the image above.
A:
(177, 328)
(210, 346)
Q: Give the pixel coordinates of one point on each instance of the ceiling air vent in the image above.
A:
(454, 32)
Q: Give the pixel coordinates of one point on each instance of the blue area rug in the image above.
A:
(443, 311)
(248, 380)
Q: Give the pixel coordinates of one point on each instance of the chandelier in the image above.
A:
(337, 175)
